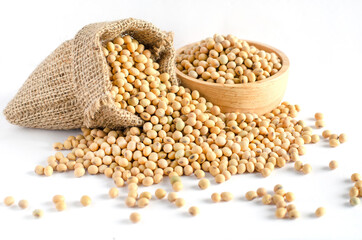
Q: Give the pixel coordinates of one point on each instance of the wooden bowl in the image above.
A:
(258, 97)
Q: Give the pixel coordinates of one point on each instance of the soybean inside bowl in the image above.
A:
(257, 97)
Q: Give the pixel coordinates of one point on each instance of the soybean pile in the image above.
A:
(183, 133)
(227, 60)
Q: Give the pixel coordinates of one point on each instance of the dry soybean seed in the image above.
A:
(251, 195)
(333, 142)
(142, 202)
(277, 187)
(298, 165)
(281, 204)
(61, 206)
(9, 200)
(133, 194)
(177, 186)
(172, 196)
(281, 212)
(277, 198)
(226, 196)
(326, 133)
(93, 169)
(354, 201)
(319, 124)
(321, 211)
(130, 202)
(194, 211)
(280, 192)
(342, 138)
(204, 183)
(147, 181)
(267, 199)
(333, 164)
(199, 173)
(23, 204)
(293, 214)
(355, 177)
(119, 182)
(132, 187)
(180, 202)
(135, 217)
(58, 146)
(79, 172)
(132, 180)
(220, 178)
(113, 192)
(315, 138)
(85, 200)
(261, 192)
(307, 168)
(333, 136)
(353, 192)
(160, 193)
(215, 197)
(147, 195)
(58, 198)
(289, 197)
(291, 207)
(48, 171)
(175, 179)
(318, 116)
(39, 170)
(38, 213)
(265, 172)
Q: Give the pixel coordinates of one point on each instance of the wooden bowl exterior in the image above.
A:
(258, 97)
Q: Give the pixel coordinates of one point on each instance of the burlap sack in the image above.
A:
(70, 88)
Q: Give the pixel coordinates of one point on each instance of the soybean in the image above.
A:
(135, 217)
(194, 210)
(321, 211)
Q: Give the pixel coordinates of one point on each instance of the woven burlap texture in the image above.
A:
(71, 87)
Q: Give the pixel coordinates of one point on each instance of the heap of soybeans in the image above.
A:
(227, 60)
(183, 133)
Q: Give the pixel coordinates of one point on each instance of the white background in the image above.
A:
(323, 42)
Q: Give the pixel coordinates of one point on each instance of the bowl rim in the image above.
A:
(284, 69)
